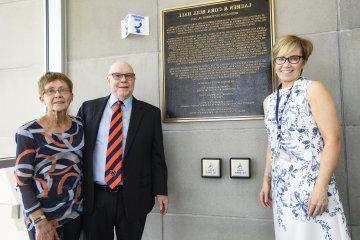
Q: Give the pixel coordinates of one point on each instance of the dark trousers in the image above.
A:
(109, 213)
(68, 231)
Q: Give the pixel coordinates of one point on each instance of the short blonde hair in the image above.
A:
(53, 76)
(288, 43)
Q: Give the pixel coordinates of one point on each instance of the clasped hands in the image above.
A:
(45, 230)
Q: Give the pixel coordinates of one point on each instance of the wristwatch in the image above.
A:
(39, 219)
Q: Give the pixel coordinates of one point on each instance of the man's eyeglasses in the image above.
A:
(119, 76)
(292, 59)
(61, 91)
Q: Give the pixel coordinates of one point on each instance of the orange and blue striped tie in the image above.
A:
(114, 150)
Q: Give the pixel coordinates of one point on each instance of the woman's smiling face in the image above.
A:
(289, 72)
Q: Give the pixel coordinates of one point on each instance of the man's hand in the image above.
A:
(163, 203)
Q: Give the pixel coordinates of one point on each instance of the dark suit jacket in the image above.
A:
(144, 168)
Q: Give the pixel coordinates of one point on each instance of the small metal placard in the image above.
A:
(211, 167)
(240, 168)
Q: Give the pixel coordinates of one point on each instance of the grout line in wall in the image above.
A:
(217, 216)
(159, 101)
(19, 67)
(112, 57)
(323, 33)
(342, 108)
(14, 1)
(317, 33)
(349, 29)
(209, 130)
(7, 204)
(351, 125)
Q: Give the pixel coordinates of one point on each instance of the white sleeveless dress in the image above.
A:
(295, 158)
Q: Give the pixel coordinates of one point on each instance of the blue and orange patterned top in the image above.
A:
(48, 171)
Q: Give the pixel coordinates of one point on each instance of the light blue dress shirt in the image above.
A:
(99, 156)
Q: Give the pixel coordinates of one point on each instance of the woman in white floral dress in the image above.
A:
(303, 149)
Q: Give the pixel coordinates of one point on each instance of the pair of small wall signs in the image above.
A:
(239, 168)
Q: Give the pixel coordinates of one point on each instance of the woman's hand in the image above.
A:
(44, 230)
(265, 193)
(318, 201)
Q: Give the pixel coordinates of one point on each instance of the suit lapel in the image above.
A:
(97, 113)
(135, 119)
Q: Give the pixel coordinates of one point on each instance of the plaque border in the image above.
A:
(162, 65)
(232, 162)
(211, 160)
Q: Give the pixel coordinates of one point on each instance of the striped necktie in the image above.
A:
(114, 150)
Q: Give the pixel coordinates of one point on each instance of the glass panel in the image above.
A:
(11, 226)
(21, 64)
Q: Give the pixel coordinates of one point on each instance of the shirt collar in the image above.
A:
(126, 103)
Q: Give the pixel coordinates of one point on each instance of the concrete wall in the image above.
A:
(350, 72)
(220, 208)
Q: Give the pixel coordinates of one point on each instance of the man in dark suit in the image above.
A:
(124, 163)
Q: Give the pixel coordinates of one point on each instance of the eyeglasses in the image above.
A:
(61, 91)
(292, 59)
(119, 76)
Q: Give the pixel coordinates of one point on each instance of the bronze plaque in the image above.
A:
(216, 60)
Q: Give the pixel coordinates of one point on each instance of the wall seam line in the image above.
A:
(338, 19)
(218, 216)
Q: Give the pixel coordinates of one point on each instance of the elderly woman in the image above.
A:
(303, 149)
(48, 166)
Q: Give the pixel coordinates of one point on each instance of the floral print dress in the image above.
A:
(296, 148)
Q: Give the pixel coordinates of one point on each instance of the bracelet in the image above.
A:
(39, 219)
